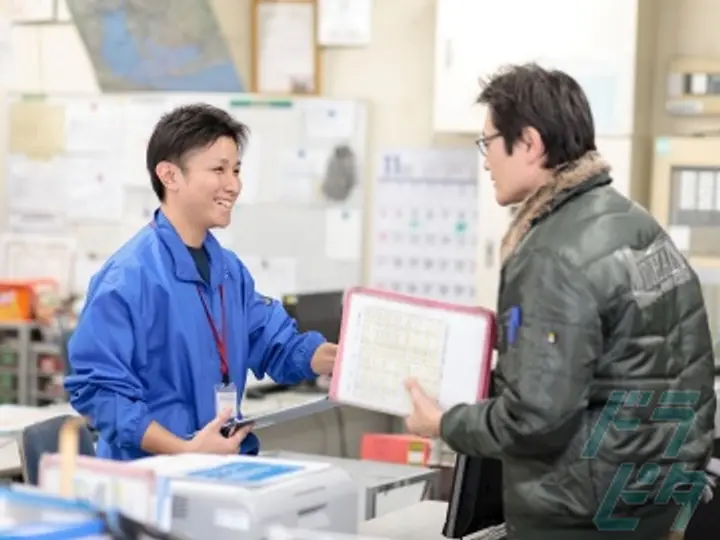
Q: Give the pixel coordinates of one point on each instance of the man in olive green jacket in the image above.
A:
(605, 370)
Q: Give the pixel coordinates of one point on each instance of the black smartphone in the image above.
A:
(230, 428)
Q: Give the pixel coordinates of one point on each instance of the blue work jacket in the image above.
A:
(144, 350)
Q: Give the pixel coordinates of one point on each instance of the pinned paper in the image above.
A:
(85, 267)
(274, 276)
(37, 129)
(343, 234)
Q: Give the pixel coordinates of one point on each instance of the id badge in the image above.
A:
(226, 398)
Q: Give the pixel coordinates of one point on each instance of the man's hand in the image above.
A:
(426, 413)
(323, 361)
(209, 440)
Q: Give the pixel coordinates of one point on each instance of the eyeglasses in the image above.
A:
(482, 142)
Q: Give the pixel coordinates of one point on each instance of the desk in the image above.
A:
(22, 415)
(421, 521)
(335, 432)
(373, 476)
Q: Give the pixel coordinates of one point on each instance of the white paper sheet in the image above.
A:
(302, 170)
(139, 204)
(330, 119)
(688, 190)
(274, 277)
(287, 52)
(85, 267)
(343, 234)
(706, 190)
(25, 256)
(37, 222)
(94, 126)
(95, 190)
(35, 186)
(344, 22)
(28, 11)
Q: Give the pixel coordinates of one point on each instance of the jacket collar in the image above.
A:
(569, 181)
(183, 263)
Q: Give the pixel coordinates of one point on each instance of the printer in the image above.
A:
(279, 532)
(230, 497)
(212, 496)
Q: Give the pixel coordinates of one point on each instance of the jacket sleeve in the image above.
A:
(549, 368)
(277, 348)
(104, 385)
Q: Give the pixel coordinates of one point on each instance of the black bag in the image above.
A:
(476, 498)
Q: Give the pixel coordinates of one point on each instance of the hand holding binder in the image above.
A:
(387, 338)
(426, 413)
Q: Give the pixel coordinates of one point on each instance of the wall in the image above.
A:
(686, 28)
(395, 73)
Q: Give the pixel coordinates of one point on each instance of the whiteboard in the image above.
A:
(387, 337)
(76, 168)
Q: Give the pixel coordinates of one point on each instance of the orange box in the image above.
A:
(19, 299)
(395, 448)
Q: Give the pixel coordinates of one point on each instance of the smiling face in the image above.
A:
(207, 184)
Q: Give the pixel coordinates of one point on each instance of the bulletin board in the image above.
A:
(76, 174)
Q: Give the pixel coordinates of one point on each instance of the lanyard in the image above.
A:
(219, 340)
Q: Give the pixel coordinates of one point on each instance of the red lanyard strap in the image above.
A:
(220, 341)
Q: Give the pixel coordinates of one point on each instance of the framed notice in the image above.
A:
(286, 54)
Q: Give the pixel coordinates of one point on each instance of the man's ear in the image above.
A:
(168, 175)
(534, 146)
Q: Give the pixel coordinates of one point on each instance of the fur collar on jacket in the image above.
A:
(541, 201)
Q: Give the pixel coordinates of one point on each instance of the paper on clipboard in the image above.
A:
(387, 338)
(290, 413)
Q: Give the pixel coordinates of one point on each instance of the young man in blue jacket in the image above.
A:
(172, 322)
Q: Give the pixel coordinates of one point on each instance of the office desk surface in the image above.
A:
(273, 437)
(374, 476)
(13, 419)
(420, 521)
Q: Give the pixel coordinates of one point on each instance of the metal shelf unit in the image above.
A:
(25, 377)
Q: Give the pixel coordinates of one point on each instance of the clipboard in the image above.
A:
(284, 415)
(388, 337)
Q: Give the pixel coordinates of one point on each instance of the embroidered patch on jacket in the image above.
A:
(656, 270)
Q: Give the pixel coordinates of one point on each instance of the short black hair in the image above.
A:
(188, 128)
(550, 101)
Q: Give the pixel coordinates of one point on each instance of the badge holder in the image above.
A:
(226, 398)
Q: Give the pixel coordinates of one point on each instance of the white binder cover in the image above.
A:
(388, 337)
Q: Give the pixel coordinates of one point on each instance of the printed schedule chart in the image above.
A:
(389, 337)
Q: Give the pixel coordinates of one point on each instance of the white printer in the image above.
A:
(230, 497)
(282, 533)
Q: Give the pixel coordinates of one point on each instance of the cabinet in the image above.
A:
(596, 42)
